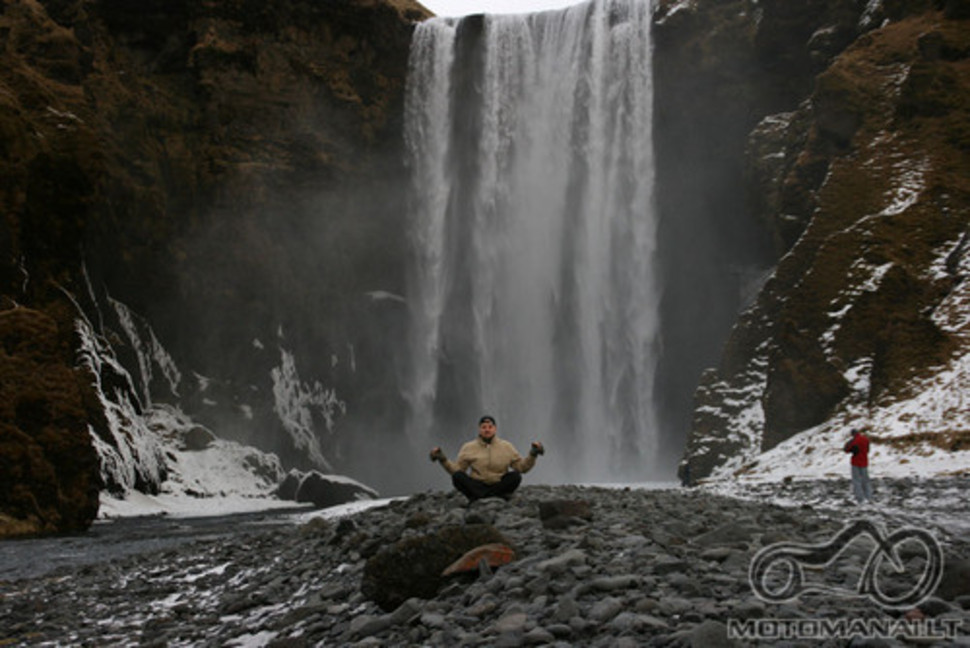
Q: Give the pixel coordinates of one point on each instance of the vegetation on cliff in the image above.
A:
(863, 185)
(190, 160)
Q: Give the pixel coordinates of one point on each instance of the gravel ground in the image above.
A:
(630, 567)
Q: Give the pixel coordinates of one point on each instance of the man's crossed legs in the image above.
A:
(474, 489)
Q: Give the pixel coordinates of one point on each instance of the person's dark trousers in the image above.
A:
(474, 489)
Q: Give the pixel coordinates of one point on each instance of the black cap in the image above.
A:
(490, 419)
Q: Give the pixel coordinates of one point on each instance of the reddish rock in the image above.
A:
(493, 554)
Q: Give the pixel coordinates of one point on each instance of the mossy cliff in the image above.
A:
(855, 158)
(224, 168)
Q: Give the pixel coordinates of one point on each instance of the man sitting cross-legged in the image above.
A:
(496, 466)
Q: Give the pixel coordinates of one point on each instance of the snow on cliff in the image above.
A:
(155, 459)
(922, 436)
(204, 475)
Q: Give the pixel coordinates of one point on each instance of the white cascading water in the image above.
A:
(532, 290)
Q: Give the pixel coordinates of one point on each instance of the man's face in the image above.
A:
(486, 430)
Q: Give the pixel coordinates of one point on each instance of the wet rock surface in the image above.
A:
(647, 567)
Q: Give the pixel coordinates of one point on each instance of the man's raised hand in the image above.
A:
(536, 449)
(437, 454)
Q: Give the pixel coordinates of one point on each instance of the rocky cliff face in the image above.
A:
(229, 172)
(854, 154)
(48, 466)
(202, 208)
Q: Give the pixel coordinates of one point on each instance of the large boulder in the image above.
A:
(956, 578)
(288, 487)
(413, 567)
(330, 490)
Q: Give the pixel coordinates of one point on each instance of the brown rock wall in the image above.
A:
(194, 159)
(48, 467)
(861, 188)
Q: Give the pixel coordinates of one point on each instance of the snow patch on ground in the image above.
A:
(817, 454)
(139, 504)
(911, 437)
(220, 478)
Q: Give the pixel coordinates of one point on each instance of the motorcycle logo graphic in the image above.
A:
(777, 572)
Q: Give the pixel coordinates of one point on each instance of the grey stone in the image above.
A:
(509, 640)
(483, 608)
(563, 561)
(733, 532)
(538, 605)
(579, 624)
(632, 541)
(405, 612)
(651, 622)
(674, 605)
(513, 622)
(538, 585)
(434, 620)
(710, 634)
(605, 609)
(566, 609)
(539, 635)
(717, 553)
(668, 565)
(956, 579)
(646, 605)
(611, 583)
(366, 625)
(932, 607)
(623, 622)
(749, 609)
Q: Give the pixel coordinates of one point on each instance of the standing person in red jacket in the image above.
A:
(858, 445)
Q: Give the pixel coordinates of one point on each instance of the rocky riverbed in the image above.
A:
(592, 567)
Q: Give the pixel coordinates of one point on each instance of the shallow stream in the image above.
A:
(115, 538)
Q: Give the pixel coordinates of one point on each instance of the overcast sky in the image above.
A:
(464, 7)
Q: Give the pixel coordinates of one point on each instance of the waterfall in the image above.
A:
(532, 288)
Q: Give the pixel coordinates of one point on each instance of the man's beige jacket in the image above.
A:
(489, 461)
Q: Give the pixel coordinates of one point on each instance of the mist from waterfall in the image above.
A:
(532, 289)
